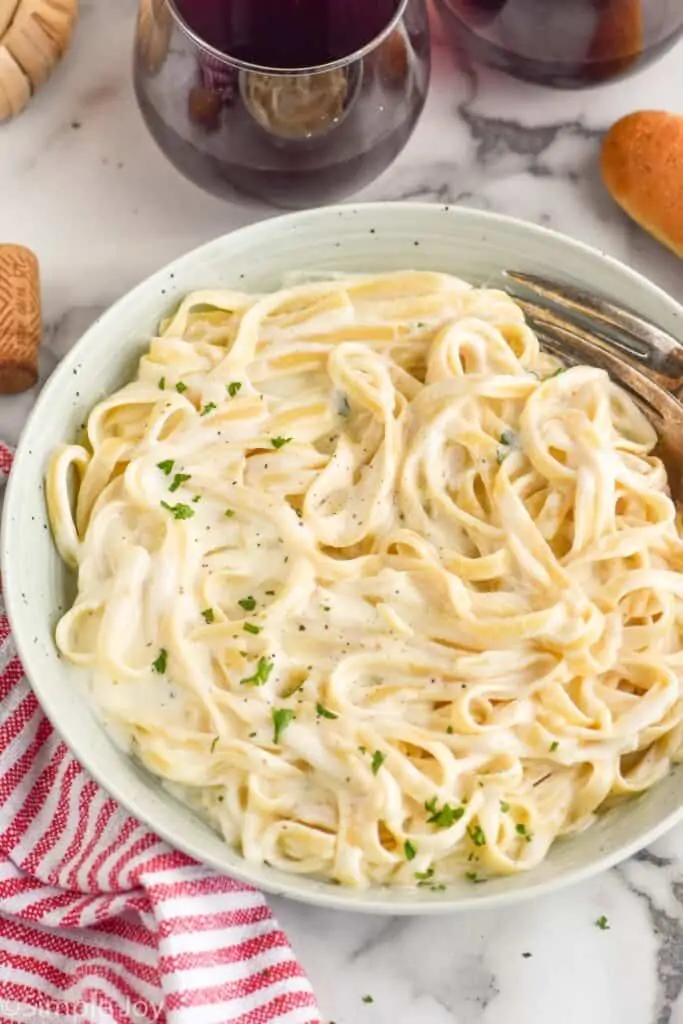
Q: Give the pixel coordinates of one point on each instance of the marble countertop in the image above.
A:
(84, 186)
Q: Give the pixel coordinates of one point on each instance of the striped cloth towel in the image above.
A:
(100, 920)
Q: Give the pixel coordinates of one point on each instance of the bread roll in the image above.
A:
(642, 166)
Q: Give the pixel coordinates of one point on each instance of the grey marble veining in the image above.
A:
(83, 185)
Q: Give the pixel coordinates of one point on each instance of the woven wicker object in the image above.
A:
(34, 34)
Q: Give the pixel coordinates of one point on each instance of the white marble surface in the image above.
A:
(83, 185)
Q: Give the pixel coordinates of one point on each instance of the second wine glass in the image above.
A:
(297, 102)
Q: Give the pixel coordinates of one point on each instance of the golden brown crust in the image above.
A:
(642, 167)
(20, 319)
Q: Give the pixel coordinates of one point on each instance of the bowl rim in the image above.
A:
(399, 902)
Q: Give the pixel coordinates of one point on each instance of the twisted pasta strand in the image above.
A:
(373, 583)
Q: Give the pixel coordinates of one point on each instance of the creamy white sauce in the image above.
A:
(370, 585)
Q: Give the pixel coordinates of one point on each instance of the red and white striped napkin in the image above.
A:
(100, 920)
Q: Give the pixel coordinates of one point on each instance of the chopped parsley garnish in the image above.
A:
(249, 627)
(521, 830)
(280, 442)
(504, 806)
(326, 608)
(162, 660)
(208, 616)
(501, 455)
(270, 593)
(446, 817)
(324, 713)
(166, 466)
(281, 719)
(209, 407)
(368, 999)
(363, 750)
(233, 388)
(213, 745)
(248, 603)
(557, 372)
(507, 437)
(197, 498)
(449, 730)
(472, 876)
(602, 923)
(178, 511)
(410, 850)
(424, 876)
(553, 746)
(229, 513)
(162, 383)
(378, 759)
(179, 479)
(476, 834)
(181, 386)
(260, 677)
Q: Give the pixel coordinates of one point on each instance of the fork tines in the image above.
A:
(646, 346)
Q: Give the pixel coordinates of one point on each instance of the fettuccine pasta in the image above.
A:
(380, 588)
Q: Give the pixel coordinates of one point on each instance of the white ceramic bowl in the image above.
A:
(37, 588)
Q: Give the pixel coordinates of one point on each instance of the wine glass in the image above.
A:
(296, 102)
(568, 44)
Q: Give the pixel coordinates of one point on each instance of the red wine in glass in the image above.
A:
(293, 101)
(287, 33)
(564, 43)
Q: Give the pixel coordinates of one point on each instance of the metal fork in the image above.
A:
(580, 327)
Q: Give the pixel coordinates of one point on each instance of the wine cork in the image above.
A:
(20, 319)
